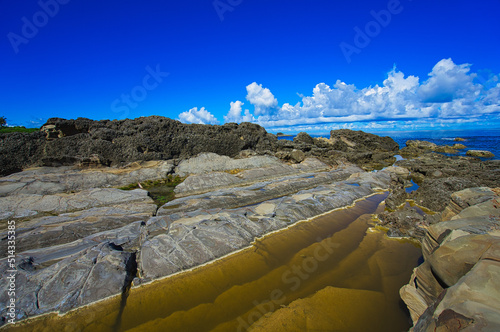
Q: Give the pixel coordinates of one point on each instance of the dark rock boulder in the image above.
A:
(18, 150)
(435, 194)
(439, 176)
(480, 154)
(360, 141)
(366, 150)
(303, 138)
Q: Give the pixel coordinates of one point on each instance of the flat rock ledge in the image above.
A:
(457, 288)
(78, 240)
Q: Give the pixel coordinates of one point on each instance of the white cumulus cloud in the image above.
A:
(450, 92)
(447, 82)
(261, 98)
(234, 114)
(450, 95)
(201, 116)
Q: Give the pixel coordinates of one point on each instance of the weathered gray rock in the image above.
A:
(67, 241)
(68, 227)
(91, 275)
(30, 205)
(262, 191)
(204, 182)
(194, 230)
(66, 179)
(211, 162)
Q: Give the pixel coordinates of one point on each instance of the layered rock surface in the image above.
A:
(74, 248)
(66, 179)
(456, 288)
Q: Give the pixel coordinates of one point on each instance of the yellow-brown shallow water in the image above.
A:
(326, 274)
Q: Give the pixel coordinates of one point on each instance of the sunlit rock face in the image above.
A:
(457, 286)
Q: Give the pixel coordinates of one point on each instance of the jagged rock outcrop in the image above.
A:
(359, 141)
(366, 150)
(415, 148)
(103, 143)
(439, 176)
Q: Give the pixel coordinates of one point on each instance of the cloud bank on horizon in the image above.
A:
(452, 95)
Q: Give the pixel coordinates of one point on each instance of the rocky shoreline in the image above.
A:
(79, 238)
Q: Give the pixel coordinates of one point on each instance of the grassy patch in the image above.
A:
(161, 191)
(18, 130)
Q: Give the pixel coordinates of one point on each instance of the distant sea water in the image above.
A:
(474, 139)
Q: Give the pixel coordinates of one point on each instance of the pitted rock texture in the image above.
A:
(366, 150)
(103, 143)
(480, 154)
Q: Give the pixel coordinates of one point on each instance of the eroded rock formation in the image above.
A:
(457, 287)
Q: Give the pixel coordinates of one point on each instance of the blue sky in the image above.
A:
(287, 65)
